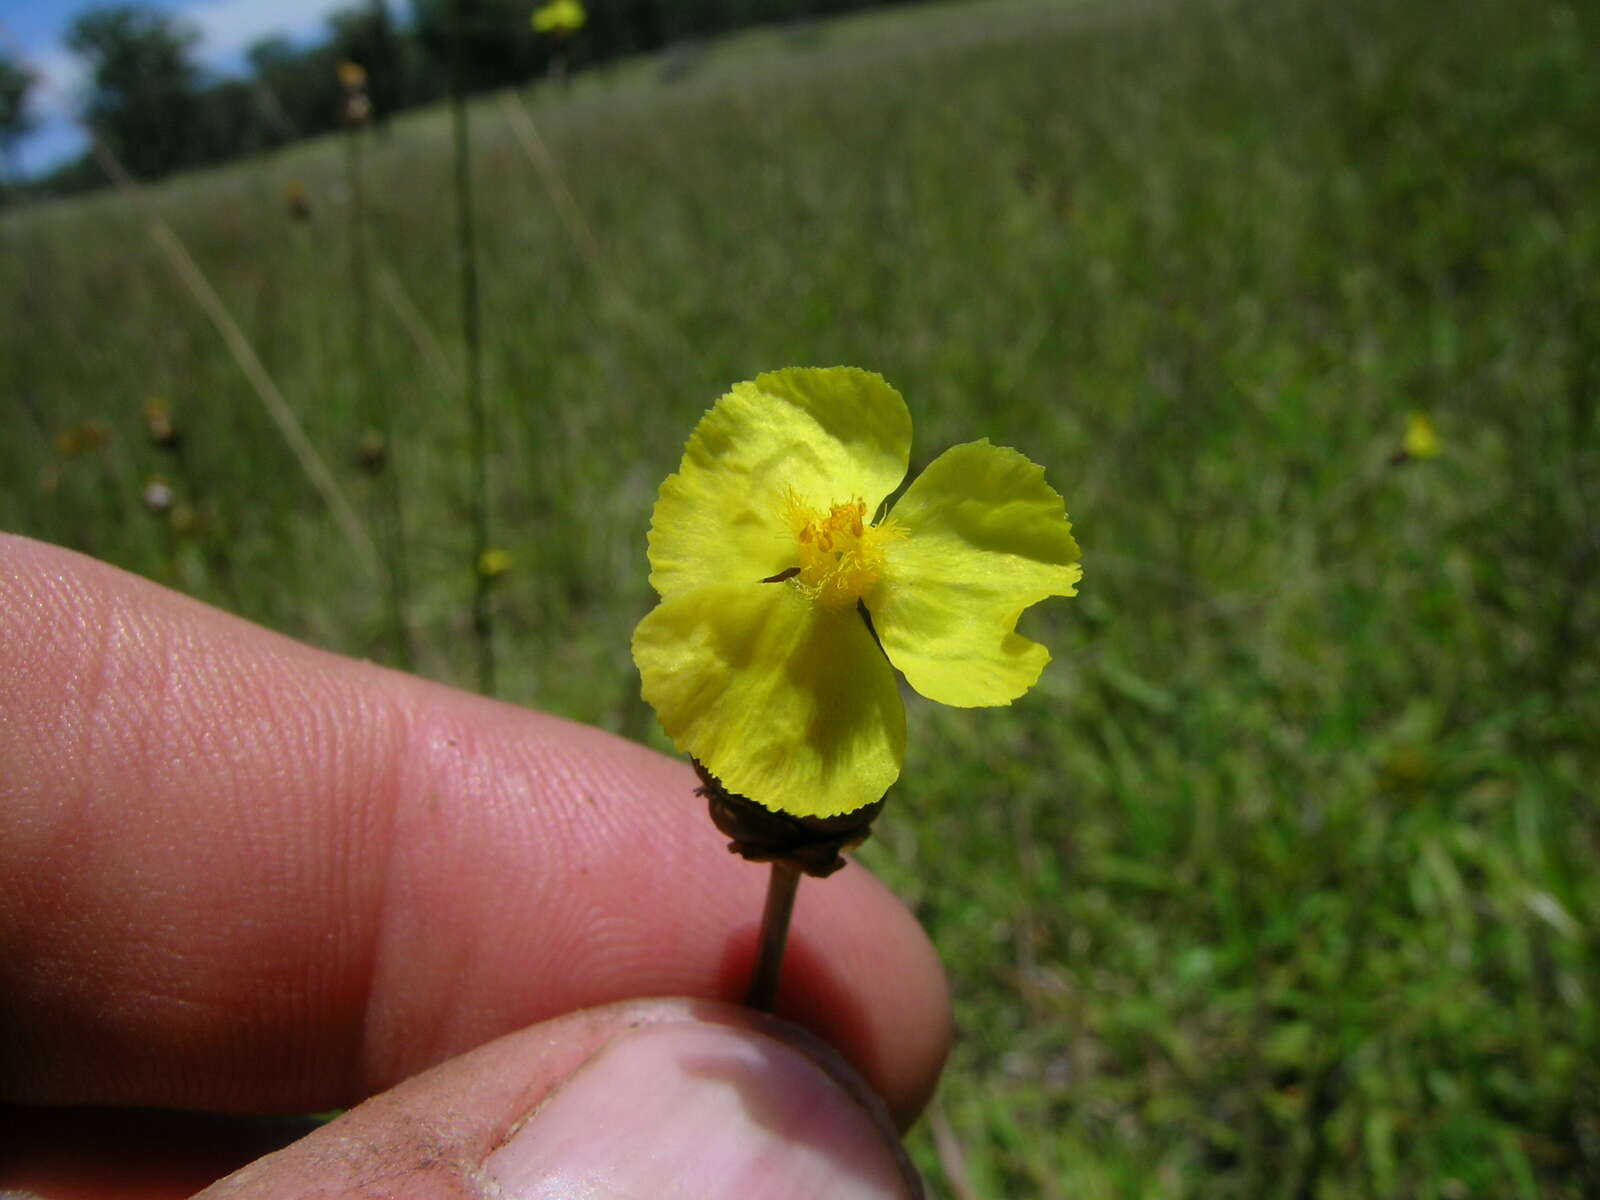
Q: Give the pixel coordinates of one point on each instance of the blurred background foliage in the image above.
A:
(1283, 882)
(160, 112)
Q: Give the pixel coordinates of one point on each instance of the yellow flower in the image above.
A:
(1420, 441)
(352, 76)
(559, 17)
(760, 660)
(493, 563)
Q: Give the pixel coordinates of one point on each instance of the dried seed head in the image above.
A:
(815, 845)
(298, 200)
(372, 451)
(158, 422)
(357, 109)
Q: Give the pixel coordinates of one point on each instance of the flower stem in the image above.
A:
(781, 887)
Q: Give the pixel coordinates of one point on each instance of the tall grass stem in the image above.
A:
(416, 327)
(387, 516)
(555, 184)
(239, 347)
(267, 391)
(244, 355)
(471, 337)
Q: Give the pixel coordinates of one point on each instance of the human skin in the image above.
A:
(241, 875)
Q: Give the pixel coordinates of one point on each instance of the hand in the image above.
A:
(242, 876)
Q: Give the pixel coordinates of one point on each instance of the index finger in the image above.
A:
(238, 873)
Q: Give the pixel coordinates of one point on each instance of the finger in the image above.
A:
(652, 1101)
(239, 873)
(648, 1098)
(129, 1154)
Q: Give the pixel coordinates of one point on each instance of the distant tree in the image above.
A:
(636, 26)
(151, 105)
(302, 83)
(694, 19)
(235, 118)
(264, 57)
(499, 42)
(145, 102)
(15, 83)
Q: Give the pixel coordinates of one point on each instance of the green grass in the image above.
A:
(1283, 882)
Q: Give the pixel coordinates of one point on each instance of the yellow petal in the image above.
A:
(1421, 440)
(786, 703)
(985, 538)
(819, 436)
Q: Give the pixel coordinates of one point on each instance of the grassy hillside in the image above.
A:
(1284, 881)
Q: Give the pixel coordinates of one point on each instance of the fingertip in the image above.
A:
(664, 1099)
(281, 879)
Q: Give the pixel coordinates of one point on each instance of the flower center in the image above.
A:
(841, 556)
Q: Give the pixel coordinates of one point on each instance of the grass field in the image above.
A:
(1284, 881)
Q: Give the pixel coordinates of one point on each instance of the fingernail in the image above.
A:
(703, 1112)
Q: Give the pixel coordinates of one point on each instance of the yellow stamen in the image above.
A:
(840, 555)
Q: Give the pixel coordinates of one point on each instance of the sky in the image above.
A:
(33, 29)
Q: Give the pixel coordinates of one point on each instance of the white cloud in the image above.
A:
(61, 79)
(60, 73)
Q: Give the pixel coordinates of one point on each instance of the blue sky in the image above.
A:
(33, 30)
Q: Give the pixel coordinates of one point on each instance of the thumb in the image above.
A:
(654, 1100)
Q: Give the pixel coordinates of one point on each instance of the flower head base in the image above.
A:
(758, 660)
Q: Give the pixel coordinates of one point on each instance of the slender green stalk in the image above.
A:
(482, 614)
(376, 416)
(781, 887)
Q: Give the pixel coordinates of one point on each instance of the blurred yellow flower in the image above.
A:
(352, 75)
(82, 437)
(1421, 441)
(778, 587)
(493, 563)
(559, 17)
